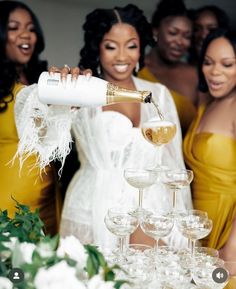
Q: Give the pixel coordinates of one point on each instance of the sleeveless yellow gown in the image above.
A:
(212, 157)
(184, 106)
(26, 186)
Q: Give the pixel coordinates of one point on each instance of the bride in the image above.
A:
(109, 138)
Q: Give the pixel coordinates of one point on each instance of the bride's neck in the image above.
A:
(127, 83)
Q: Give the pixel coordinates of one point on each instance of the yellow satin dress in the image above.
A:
(212, 157)
(27, 185)
(186, 110)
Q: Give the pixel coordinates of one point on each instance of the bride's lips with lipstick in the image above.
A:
(121, 67)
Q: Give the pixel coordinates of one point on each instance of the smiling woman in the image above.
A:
(210, 145)
(172, 29)
(21, 42)
(109, 138)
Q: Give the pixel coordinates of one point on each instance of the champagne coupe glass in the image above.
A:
(158, 132)
(211, 275)
(206, 255)
(121, 223)
(139, 265)
(195, 225)
(140, 179)
(175, 180)
(157, 226)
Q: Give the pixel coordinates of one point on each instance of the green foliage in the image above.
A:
(96, 261)
(26, 226)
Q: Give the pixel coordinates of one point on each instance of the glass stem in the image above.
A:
(192, 247)
(140, 198)
(156, 245)
(189, 244)
(122, 245)
(174, 199)
(159, 156)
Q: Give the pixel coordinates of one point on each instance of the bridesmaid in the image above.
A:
(210, 144)
(21, 43)
(172, 29)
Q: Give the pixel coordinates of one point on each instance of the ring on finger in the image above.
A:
(68, 68)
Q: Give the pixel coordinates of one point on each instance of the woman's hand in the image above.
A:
(74, 71)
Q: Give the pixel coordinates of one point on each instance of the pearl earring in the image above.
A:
(137, 67)
(99, 70)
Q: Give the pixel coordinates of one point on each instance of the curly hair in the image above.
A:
(168, 8)
(100, 21)
(8, 73)
(230, 35)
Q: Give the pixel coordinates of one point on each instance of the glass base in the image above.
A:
(175, 214)
(160, 170)
(140, 213)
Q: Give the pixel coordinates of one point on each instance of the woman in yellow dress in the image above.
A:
(172, 30)
(21, 42)
(210, 144)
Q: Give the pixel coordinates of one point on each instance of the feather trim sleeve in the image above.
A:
(43, 130)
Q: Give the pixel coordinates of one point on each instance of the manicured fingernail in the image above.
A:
(63, 80)
(88, 76)
(74, 80)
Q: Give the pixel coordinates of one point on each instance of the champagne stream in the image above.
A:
(157, 109)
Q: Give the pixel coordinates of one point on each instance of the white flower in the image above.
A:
(5, 283)
(10, 246)
(71, 247)
(45, 250)
(96, 282)
(22, 253)
(59, 276)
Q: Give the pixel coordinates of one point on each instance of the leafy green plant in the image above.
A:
(27, 227)
(96, 261)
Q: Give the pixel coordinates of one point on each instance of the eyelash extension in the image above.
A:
(117, 16)
(109, 47)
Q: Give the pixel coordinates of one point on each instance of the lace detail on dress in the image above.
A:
(82, 231)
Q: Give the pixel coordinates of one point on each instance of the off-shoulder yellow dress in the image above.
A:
(186, 110)
(212, 157)
(26, 186)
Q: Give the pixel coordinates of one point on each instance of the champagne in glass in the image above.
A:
(140, 179)
(157, 226)
(175, 180)
(121, 223)
(158, 132)
(194, 225)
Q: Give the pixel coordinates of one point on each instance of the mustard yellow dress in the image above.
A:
(26, 186)
(184, 106)
(212, 157)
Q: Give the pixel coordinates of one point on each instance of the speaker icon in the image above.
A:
(220, 275)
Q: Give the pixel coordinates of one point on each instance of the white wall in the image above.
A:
(62, 21)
